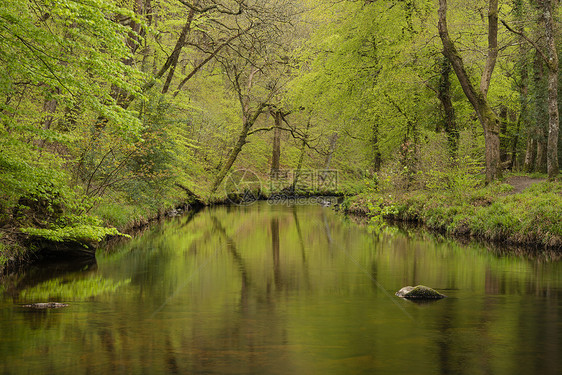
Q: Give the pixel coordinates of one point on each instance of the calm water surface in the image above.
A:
(285, 290)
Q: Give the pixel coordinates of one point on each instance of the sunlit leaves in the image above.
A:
(61, 65)
(80, 234)
(361, 63)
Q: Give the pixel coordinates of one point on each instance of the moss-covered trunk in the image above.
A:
(478, 97)
(553, 116)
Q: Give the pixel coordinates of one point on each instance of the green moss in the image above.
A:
(419, 292)
(493, 212)
(81, 234)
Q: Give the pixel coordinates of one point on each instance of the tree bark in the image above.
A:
(233, 155)
(49, 108)
(553, 125)
(276, 154)
(540, 113)
(504, 141)
(530, 153)
(478, 98)
(172, 61)
(444, 95)
(548, 148)
(331, 150)
(301, 156)
(540, 158)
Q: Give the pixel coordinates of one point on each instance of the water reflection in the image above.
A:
(276, 290)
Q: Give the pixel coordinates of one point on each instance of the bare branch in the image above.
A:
(209, 58)
(198, 10)
(530, 41)
(216, 7)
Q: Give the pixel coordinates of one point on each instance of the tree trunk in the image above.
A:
(546, 147)
(332, 149)
(276, 154)
(513, 162)
(523, 119)
(492, 144)
(478, 99)
(539, 115)
(540, 158)
(444, 95)
(377, 157)
(233, 155)
(553, 125)
(504, 140)
(301, 156)
(172, 61)
(50, 108)
(135, 35)
(530, 153)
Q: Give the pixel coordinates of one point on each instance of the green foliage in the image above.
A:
(379, 210)
(71, 52)
(91, 127)
(362, 73)
(458, 178)
(3, 257)
(80, 234)
(117, 213)
(62, 62)
(494, 212)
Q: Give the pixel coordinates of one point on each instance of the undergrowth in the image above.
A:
(463, 205)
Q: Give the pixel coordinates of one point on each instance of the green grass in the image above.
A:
(494, 212)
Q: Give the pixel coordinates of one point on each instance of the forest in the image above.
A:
(114, 111)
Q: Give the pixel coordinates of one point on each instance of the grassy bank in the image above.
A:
(497, 212)
(47, 225)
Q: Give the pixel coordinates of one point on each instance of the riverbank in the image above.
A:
(112, 219)
(512, 212)
(518, 211)
(18, 248)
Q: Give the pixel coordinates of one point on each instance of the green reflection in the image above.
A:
(70, 290)
(277, 289)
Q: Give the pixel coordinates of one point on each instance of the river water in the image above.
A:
(284, 289)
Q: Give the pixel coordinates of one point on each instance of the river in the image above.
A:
(279, 289)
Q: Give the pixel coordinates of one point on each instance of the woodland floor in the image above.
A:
(521, 183)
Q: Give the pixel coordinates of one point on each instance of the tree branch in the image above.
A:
(531, 42)
(209, 58)
(198, 10)
(212, 7)
(492, 47)
(450, 51)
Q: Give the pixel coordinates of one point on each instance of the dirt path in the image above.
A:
(521, 183)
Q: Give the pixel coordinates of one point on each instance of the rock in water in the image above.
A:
(45, 305)
(419, 292)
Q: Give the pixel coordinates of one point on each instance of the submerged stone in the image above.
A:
(419, 292)
(45, 305)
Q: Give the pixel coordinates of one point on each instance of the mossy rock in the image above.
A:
(45, 305)
(419, 292)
